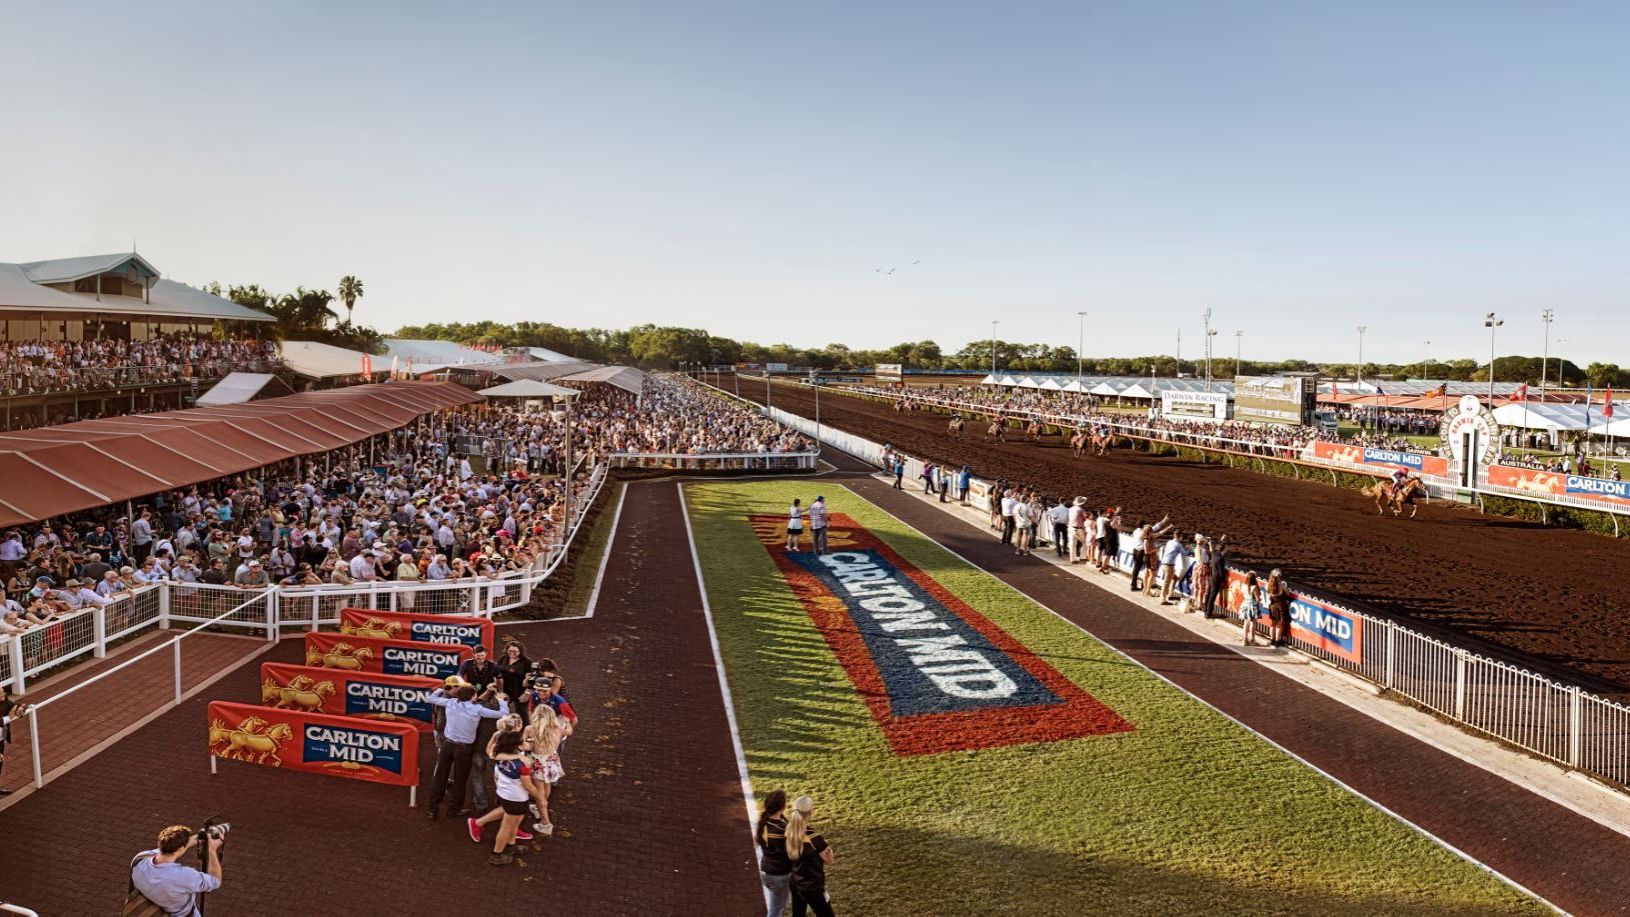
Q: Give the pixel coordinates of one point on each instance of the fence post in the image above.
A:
(274, 626)
(15, 648)
(176, 642)
(164, 605)
(1576, 722)
(1392, 646)
(99, 631)
(1460, 685)
(475, 600)
(316, 609)
(34, 740)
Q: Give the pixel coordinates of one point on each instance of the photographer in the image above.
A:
(159, 876)
(9, 710)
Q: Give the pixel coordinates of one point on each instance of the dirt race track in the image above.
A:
(1547, 595)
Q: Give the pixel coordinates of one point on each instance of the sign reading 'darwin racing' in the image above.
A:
(935, 673)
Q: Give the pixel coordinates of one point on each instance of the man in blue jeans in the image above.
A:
(456, 754)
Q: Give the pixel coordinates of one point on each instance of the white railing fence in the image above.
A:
(89, 632)
(737, 461)
(1550, 718)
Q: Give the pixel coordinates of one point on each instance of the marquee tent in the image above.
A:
(70, 467)
(626, 378)
(527, 388)
(1562, 418)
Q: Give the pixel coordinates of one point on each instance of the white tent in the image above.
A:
(1051, 384)
(236, 388)
(527, 388)
(1537, 415)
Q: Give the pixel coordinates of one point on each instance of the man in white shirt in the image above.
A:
(1078, 529)
(81, 595)
(1008, 504)
(1171, 554)
(362, 566)
(1059, 515)
(12, 550)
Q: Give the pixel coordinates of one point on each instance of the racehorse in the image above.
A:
(1032, 430)
(1079, 442)
(1387, 494)
(1102, 442)
(994, 431)
(954, 428)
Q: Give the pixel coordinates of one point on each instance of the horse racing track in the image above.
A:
(972, 753)
(1543, 594)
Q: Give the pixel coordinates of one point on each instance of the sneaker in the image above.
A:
(475, 829)
(433, 814)
(522, 835)
(543, 829)
(533, 808)
(500, 859)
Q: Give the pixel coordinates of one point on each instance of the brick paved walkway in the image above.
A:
(1572, 861)
(84, 719)
(650, 815)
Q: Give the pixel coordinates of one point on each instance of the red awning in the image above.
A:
(76, 466)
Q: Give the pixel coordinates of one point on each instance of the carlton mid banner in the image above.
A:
(401, 625)
(1556, 484)
(1381, 458)
(1336, 631)
(317, 743)
(390, 657)
(364, 695)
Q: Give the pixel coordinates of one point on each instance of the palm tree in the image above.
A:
(350, 292)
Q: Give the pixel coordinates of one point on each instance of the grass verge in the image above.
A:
(1188, 813)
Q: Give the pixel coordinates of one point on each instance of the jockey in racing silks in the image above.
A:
(1399, 477)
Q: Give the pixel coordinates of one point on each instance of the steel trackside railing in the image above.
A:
(1542, 715)
(724, 461)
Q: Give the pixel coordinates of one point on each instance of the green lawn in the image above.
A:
(1187, 814)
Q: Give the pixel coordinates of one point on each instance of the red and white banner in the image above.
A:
(317, 743)
(421, 628)
(391, 657)
(360, 695)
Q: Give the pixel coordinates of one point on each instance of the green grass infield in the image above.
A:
(1185, 813)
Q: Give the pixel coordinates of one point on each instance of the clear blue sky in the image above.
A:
(1299, 168)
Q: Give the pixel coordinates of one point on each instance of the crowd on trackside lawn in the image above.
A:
(1182, 570)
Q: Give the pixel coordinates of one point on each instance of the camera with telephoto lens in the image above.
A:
(536, 677)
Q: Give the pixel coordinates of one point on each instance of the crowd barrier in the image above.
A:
(736, 461)
(1555, 720)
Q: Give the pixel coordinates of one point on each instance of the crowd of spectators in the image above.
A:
(49, 367)
(678, 415)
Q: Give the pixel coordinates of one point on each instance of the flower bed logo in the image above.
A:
(936, 674)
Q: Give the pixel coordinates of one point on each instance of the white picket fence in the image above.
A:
(89, 632)
(1550, 718)
(732, 461)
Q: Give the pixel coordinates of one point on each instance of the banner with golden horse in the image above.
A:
(405, 625)
(360, 695)
(390, 657)
(316, 743)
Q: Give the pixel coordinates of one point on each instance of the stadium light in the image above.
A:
(1545, 315)
(1491, 322)
(568, 399)
(1425, 358)
(1238, 337)
(1080, 342)
(993, 323)
(1358, 372)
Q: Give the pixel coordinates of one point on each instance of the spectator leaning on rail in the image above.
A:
(165, 882)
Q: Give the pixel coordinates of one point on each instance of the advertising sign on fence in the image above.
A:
(1333, 630)
(317, 743)
(403, 625)
(391, 657)
(1418, 462)
(1273, 399)
(1209, 406)
(979, 494)
(364, 695)
(1556, 484)
(892, 372)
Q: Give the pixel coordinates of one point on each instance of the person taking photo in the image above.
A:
(158, 874)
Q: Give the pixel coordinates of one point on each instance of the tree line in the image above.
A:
(304, 315)
(668, 347)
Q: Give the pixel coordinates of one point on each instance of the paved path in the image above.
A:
(81, 721)
(1572, 861)
(650, 816)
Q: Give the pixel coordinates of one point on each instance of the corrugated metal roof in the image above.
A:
(60, 270)
(434, 352)
(626, 378)
(550, 356)
(71, 467)
(166, 299)
(315, 360)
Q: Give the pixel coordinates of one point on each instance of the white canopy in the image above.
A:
(236, 388)
(527, 388)
(1538, 415)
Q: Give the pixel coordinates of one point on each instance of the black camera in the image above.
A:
(535, 676)
(212, 829)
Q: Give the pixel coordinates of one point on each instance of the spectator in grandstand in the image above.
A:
(251, 575)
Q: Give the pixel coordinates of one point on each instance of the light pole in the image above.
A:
(1426, 358)
(1491, 322)
(568, 400)
(1545, 315)
(1561, 380)
(1358, 373)
(1239, 336)
(1080, 342)
(993, 323)
(1209, 334)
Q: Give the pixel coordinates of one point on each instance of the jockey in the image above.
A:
(1399, 477)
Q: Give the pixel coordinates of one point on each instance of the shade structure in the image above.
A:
(71, 467)
(1562, 418)
(528, 388)
(237, 388)
(626, 378)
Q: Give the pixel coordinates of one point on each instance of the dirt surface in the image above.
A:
(649, 818)
(1543, 595)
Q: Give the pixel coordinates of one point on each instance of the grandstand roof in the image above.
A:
(528, 388)
(237, 388)
(549, 356)
(437, 353)
(540, 370)
(23, 288)
(71, 467)
(626, 378)
(316, 360)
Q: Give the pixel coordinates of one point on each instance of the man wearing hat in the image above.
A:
(817, 524)
(252, 576)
